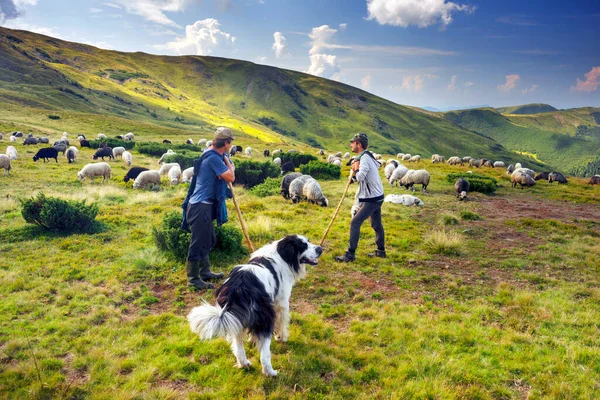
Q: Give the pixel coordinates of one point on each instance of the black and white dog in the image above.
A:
(255, 299)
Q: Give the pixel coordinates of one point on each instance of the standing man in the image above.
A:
(205, 202)
(370, 197)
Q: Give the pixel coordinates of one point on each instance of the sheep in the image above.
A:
(43, 140)
(462, 188)
(377, 157)
(164, 170)
(541, 176)
(248, 151)
(392, 161)
(118, 151)
(398, 174)
(202, 142)
(416, 158)
(127, 157)
(133, 173)
(46, 153)
(93, 170)
(168, 153)
(406, 157)
(499, 164)
(297, 187)
(189, 141)
(80, 137)
(313, 193)
(337, 162)
(525, 171)
(557, 177)
(413, 177)
(11, 152)
(285, 184)
(321, 151)
(209, 143)
(292, 151)
(71, 154)
(277, 161)
(146, 178)
(518, 165)
(400, 155)
(275, 152)
(266, 153)
(120, 137)
(521, 178)
(594, 180)
(60, 146)
(29, 141)
(436, 158)
(510, 169)
(455, 161)
(103, 152)
(338, 154)
(65, 134)
(18, 134)
(488, 163)
(166, 141)
(174, 174)
(405, 199)
(84, 143)
(101, 136)
(388, 170)
(5, 164)
(13, 139)
(187, 174)
(287, 167)
(476, 163)
(129, 136)
(346, 155)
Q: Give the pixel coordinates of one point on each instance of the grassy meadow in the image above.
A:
(497, 297)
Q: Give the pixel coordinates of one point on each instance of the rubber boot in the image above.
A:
(347, 257)
(192, 269)
(378, 253)
(205, 272)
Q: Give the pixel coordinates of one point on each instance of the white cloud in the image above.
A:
(324, 65)
(414, 12)
(365, 82)
(468, 84)
(11, 9)
(591, 83)
(452, 85)
(414, 83)
(511, 82)
(399, 51)
(95, 10)
(343, 27)
(201, 38)
(112, 5)
(319, 38)
(279, 45)
(154, 10)
(21, 3)
(531, 90)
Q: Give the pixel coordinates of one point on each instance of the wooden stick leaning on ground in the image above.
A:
(338, 208)
(239, 213)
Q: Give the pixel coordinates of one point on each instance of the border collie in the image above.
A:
(255, 299)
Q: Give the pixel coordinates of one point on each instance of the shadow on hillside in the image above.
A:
(34, 232)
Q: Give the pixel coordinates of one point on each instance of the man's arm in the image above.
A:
(229, 175)
(360, 170)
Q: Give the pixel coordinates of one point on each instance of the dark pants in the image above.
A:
(372, 211)
(200, 220)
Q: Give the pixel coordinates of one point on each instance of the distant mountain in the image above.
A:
(527, 109)
(453, 108)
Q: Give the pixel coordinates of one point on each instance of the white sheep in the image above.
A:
(518, 165)
(129, 136)
(337, 162)
(118, 151)
(187, 175)
(525, 171)
(208, 144)
(146, 178)
(338, 154)
(71, 154)
(321, 151)
(416, 158)
(466, 159)
(277, 151)
(346, 156)
(397, 174)
(11, 152)
(168, 153)
(400, 155)
(312, 191)
(164, 170)
(101, 136)
(248, 151)
(406, 157)
(377, 156)
(175, 174)
(405, 199)
(297, 188)
(80, 137)
(93, 170)
(277, 161)
(388, 170)
(412, 177)
(202, 142)
(13, 139)
(127, 158)
(5, 164)
(455, 160)
(499, 164)
(189, 141)
(436, 158)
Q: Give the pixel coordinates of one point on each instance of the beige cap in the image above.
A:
(223, 133)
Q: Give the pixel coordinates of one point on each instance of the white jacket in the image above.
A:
(370, 188)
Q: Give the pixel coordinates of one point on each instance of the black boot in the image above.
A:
(378, 253)
(347, 257)
(205, 272)
(192, 268)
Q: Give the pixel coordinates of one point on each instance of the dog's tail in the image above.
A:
(210, 321)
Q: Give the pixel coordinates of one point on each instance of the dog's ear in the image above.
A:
(290, 248)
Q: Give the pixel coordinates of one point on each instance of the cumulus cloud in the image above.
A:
(511, 82)
(279, 45)
(531, 90)
(325, 65)
(11, 9)
(452, 85)
(414, 83)
(154, 10)
(343, 27)
(421, 13)
(320, 37)
(591, 83)
(201, 38)
(365, 82)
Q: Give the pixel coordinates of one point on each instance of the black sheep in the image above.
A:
(84, 143)
(266, 153)
(542, 175)
(17, 134)
(167, 141)
(30, 140)
(594, 180)
(71, 155)
(287, 167)
(103, 152)
(232, 151)
(285, 184)
(60, 146)
(133, 173)
(557, 177)
(462, 188)
(46, 153)
(119, 137)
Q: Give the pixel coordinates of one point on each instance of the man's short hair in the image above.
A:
(361, 138)
(220, 143)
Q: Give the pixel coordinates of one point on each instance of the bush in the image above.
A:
(297, 159)
(445, 243)
(185, 160)
(112, 143)
(469, 215)
(477, 183)
(321, 170)
(270, 187)
(59, 215)
(251, 173)
(153, 149)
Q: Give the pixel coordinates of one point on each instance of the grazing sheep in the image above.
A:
(594, 180)
(400, 155)
(541, 176)
(462, 188)
(313, 193)
(119, 137)
(118, 152)
(557, 177)
(80, 137)
(292, 151)
(71, 154)
(346, 155)
(287, 167)
(129, 136)
(103, 152)
(467, 159)
(338, 154)
(202, 142)
(209, 143)
(455, 161)
(101, 136)
(43, 140)
(285, 184)
(84, 143)
(29, 141)
(392, 161)
(11, 152)
(146, 178)
(499, 164)
(174, 174)
(277, 161)
(127, 157)
(377, 157)
(405, 199)
(5, 164)
(248, 151)
(476, 163)
(510, 169)
(416, 158)
(488, 163)
(518, 165)
(525, 171)
(93, 170)
(398, 174)
(46, 153)
(133, 173)
(297, 187)
(166, 141)
(168, 153)
(61, 146)
(406, 157)
(164, 170)
(13, 139)
(387, 171)
(189, 141)
(521, 178)
(18, 134)
(187, 175)
(321, 151)
(275, 152)
(266, 153)
(412, 177)
(436, 158)
(337, 162)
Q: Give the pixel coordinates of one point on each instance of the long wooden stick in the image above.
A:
(239, 213)
(338, 207)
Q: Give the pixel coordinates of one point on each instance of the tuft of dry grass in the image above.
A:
(445, 243)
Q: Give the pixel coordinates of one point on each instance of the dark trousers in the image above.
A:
(372, 211)
(200, 220)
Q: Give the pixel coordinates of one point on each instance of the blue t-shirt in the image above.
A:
(210, 169)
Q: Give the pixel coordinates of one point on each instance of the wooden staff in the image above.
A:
(338, 207)
(239, 213)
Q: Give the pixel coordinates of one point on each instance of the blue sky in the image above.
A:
(414, 52)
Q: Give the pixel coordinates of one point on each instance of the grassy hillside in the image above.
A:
(527, 109)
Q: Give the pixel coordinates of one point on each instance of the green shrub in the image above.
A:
(469, 215)
(58, 215)
(321, 170)
(252, 173)
(152, 148)
(477, 182)
(184, 159)
(297, 159)
(270, 187)
(112, 143)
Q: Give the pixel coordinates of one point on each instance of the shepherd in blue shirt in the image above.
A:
(204, 202)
